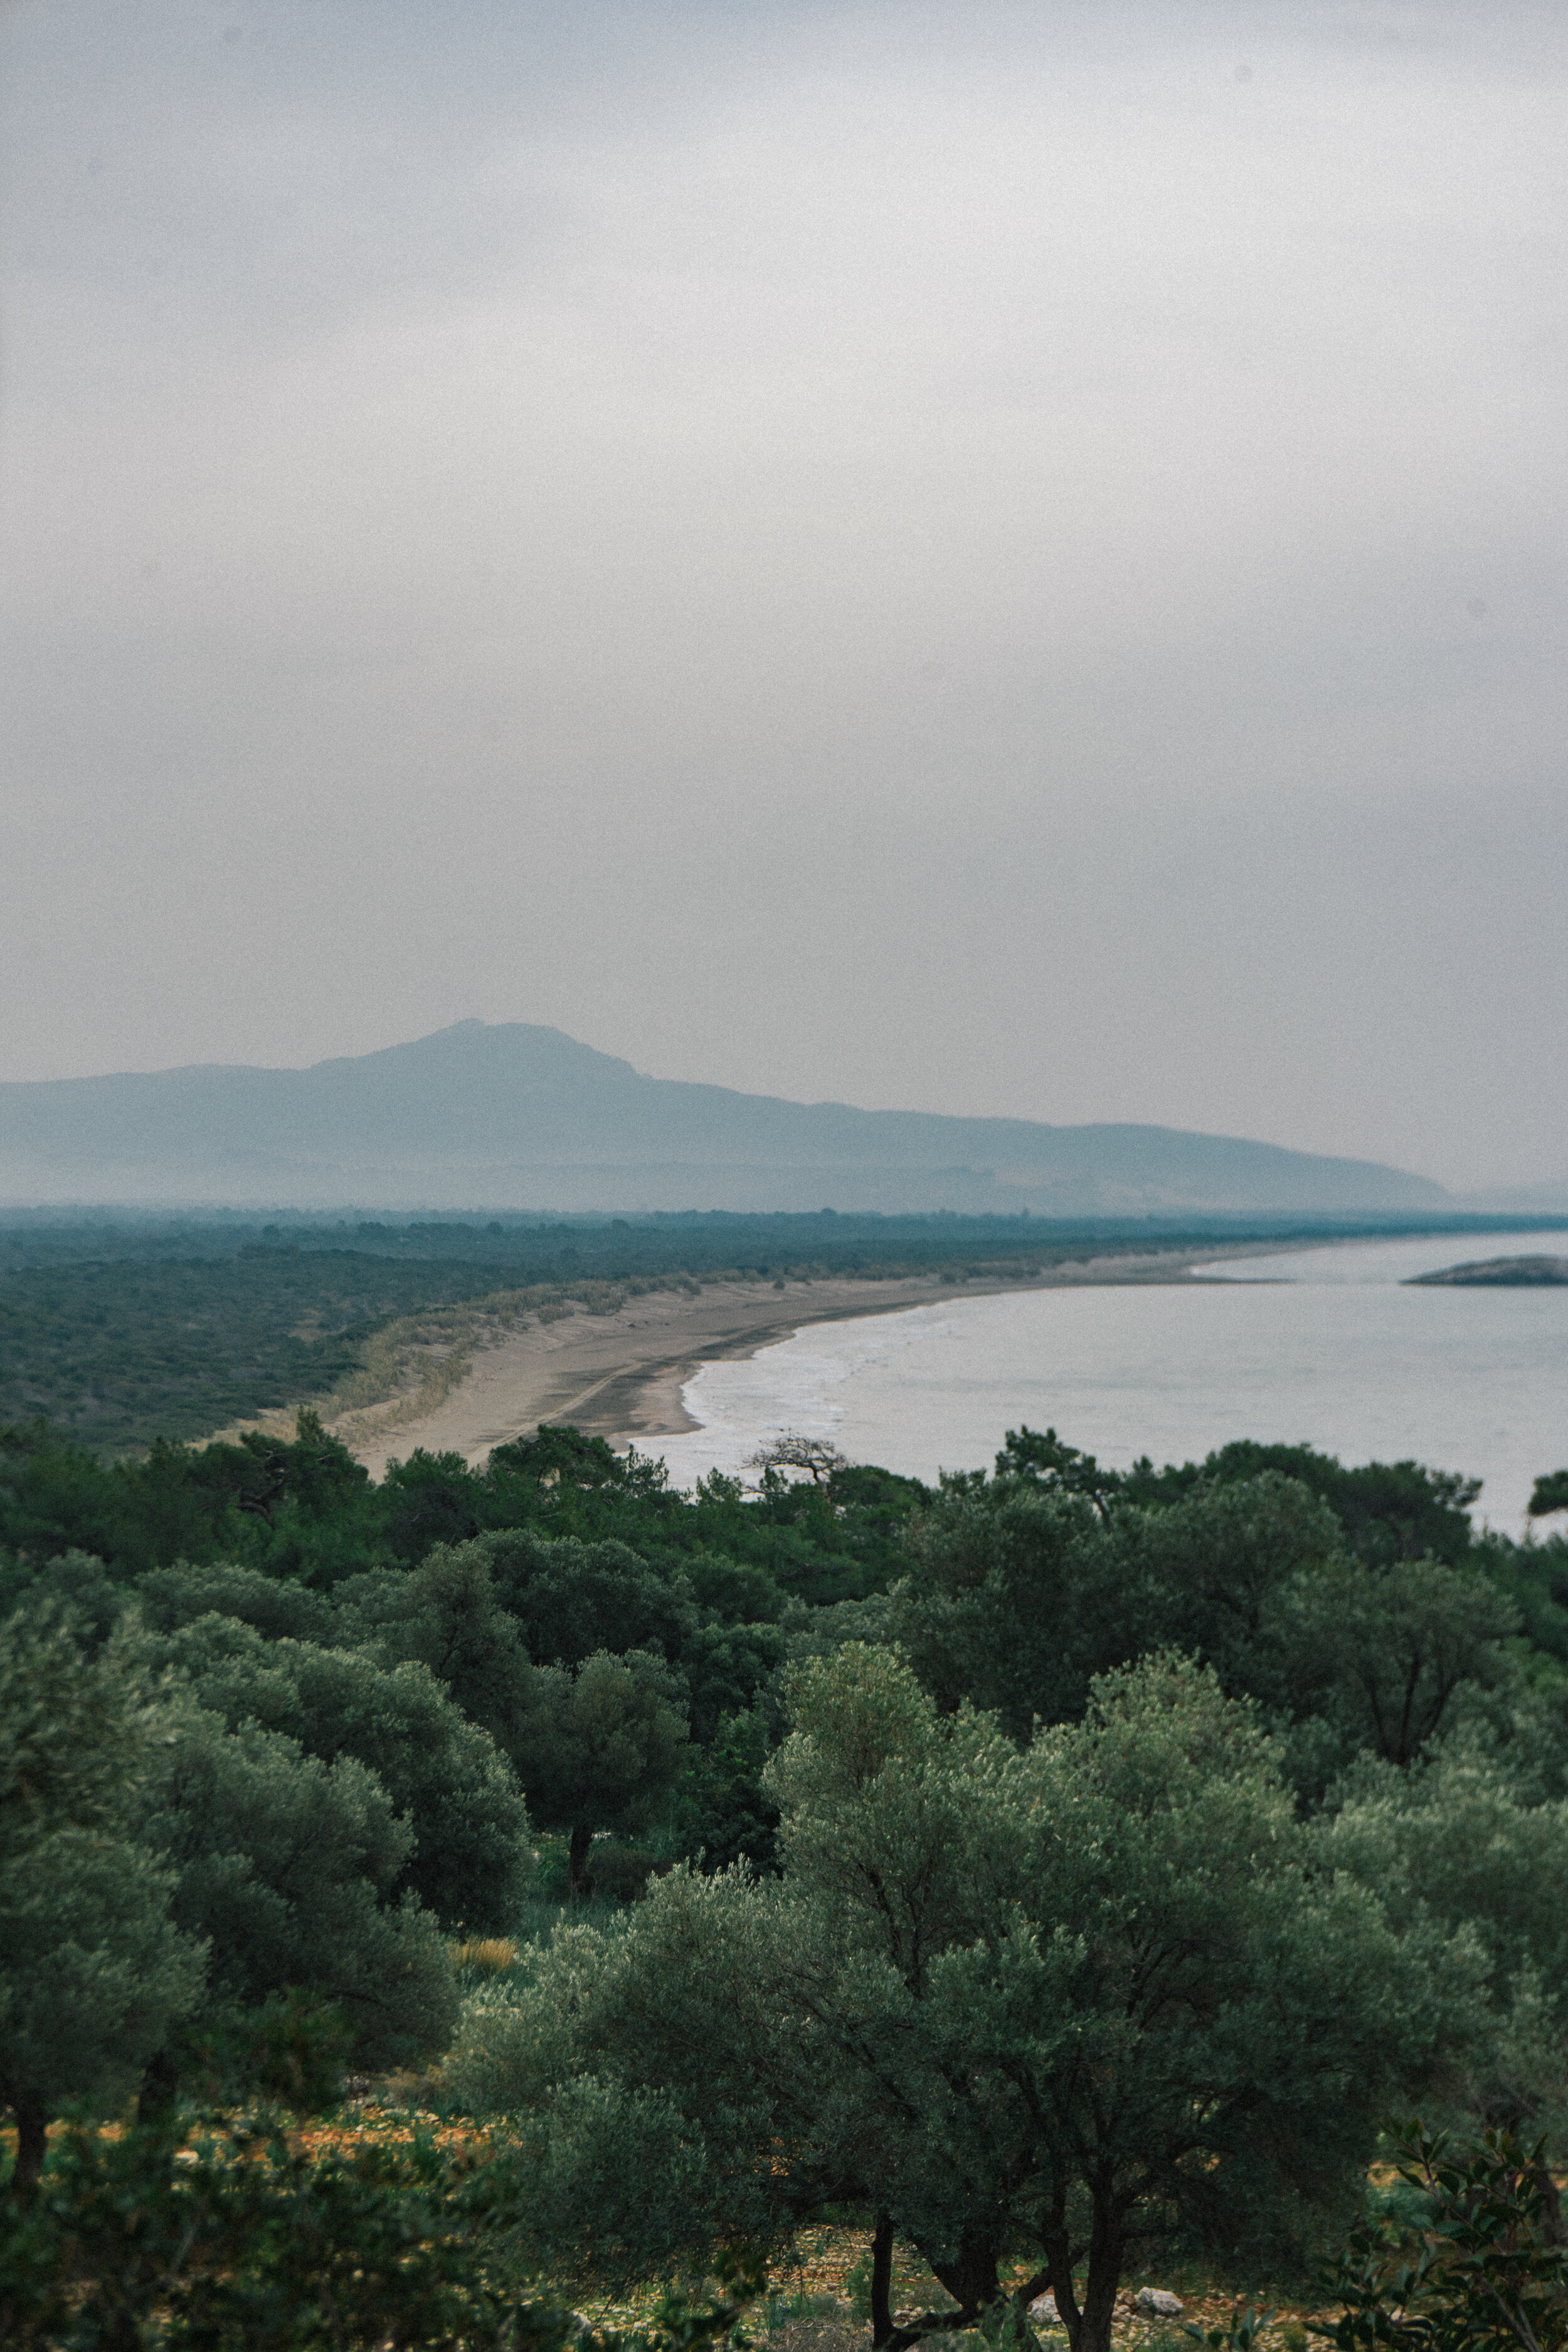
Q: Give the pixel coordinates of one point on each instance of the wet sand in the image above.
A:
(620, 1375)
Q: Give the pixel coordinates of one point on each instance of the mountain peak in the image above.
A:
(518, 1115)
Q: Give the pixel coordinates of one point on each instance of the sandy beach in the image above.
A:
(620, 1375)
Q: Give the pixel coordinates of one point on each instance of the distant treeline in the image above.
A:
(121, 1353)
(123, 1331)
(657, 1240)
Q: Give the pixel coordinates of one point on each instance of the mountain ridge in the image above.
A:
(516, 1114)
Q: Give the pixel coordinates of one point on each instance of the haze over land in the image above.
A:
(1000, 561)
(512, 1115)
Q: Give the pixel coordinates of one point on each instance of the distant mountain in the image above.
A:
(512, 1116)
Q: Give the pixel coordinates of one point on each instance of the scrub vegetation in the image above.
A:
(1048, 1882)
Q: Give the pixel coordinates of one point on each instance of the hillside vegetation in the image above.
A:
(1055, 1877)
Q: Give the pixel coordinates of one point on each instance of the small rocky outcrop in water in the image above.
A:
(1501, 1273)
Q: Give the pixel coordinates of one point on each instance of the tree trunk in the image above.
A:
(576, 1858)
(1106, 2250)
(1093, 2331)
(1056, 2245)
(1087, 2325)
(881, 2282)
(32, 2145)
(159, 2088)
(971, 2279)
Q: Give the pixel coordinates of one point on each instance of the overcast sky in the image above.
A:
(1002, 559)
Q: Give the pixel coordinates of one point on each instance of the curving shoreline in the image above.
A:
(620, 1376)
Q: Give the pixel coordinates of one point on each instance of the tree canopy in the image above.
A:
(1059, 1869)
(95, 1972)
(1060, 2000)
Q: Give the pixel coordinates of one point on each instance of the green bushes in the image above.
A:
(1123, 1856)
(305, 1510)
(1021, 1590)
(166, 1882)
(226, 2236)
(1482, 2265)
(284, 1871)
(466, 1853)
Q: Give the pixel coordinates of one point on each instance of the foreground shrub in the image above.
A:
(243, 2240)
(1478, 2263)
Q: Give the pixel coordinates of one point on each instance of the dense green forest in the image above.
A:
(124, 1352)
(1058, 1873)
(128, 1330)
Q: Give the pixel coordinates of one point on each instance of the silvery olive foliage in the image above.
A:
(1067, 2001)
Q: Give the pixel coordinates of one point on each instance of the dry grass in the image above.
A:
(830, 2328)
(368, 2121)
(490, 1954)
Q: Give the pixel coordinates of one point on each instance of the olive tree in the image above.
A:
(573, 1598)
(165, 1879)
(285, 1868)
(445, 1614)
(1382, 1653)
(466, 1855)
(1019, 1593)
(1064, 2004)
(1142, 2016)
(1459, 1845)
(94, 1973)
(603, 1746)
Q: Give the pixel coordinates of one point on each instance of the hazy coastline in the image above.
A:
(1332, 1348)
(620, 1376)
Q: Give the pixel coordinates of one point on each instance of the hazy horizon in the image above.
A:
(1008, 566)
(510, 1113)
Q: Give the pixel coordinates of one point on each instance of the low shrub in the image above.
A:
(1482, 2265)
(238, 2239)
(620, 1873)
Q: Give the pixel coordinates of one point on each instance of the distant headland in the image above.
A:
(1501, 1273)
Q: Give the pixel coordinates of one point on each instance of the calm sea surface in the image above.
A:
(1322, 1346)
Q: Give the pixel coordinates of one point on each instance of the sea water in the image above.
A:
(1323, 1346)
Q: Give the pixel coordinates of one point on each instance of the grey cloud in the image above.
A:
(979, 561)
